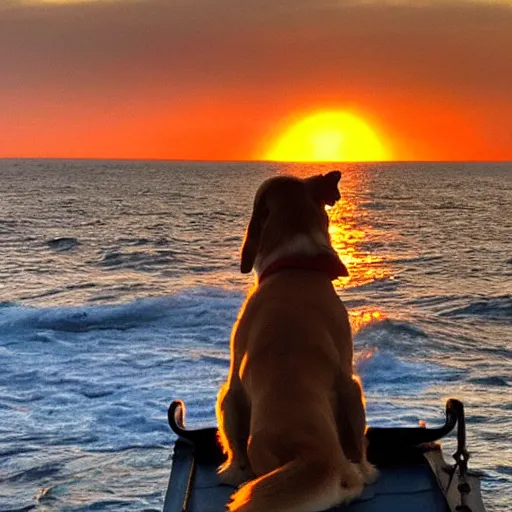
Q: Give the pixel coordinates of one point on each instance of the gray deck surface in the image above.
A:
(398, 489)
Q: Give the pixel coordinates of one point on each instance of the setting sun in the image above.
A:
(329, 137)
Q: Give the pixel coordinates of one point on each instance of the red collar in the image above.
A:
(330, 264)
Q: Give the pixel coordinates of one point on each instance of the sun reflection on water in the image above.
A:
(351, 235)
(347, 237)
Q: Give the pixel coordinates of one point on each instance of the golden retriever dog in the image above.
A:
(291, 414)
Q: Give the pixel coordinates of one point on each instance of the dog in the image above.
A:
(291, 414)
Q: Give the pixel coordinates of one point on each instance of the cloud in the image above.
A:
(232, 43)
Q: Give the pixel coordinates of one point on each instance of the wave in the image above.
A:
(63, 244)
(414, 259)
(196, 308)
(498, 308)
(384, 372)
(384, 284)
(386, 358)
(389, 334)
(137, 241)
(492, 380)
(137, 260)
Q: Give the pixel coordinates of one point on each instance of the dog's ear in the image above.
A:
(253, 236)
(324, 188)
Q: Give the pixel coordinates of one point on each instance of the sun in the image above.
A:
(329, 137)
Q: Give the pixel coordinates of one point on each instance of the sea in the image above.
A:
(120, 282)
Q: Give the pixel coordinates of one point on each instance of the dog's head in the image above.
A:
(288, 217)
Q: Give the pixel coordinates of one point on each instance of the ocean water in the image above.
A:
(119, 284)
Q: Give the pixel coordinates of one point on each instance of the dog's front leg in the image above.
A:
(233, 416)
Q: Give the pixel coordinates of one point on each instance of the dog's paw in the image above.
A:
(352, 484)
(234, 474)
(352, 477)
(368, 471)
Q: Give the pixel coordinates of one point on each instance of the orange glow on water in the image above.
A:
(347, 236)
(349, 229)
(361, 318)
(363, 267)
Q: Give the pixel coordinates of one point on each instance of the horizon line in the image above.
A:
(248, 161)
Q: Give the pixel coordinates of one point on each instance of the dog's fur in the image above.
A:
(291, 414)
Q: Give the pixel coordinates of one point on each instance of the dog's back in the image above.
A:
(295, 339)
(299, 309)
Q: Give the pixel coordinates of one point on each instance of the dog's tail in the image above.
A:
(299, 486)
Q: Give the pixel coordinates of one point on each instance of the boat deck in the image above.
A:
(414, 476)
(409, 487)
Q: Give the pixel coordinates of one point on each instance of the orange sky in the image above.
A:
(219, 79)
